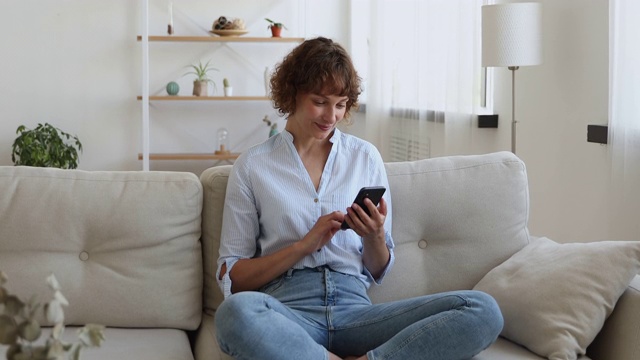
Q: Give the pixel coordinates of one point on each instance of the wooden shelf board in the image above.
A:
(190, 156)
(173, 38)
(206, 98)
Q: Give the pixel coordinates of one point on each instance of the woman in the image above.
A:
(295, 285)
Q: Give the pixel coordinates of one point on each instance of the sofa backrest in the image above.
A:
(454, 219)
(125, 246)
(214, 184)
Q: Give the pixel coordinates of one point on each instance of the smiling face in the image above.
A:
(316, 115)
(317, 66)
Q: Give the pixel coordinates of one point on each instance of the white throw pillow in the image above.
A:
(556, 297)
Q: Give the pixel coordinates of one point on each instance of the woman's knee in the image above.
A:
(487, 311)
(236, 310)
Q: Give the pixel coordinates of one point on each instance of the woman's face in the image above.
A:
(317, 115)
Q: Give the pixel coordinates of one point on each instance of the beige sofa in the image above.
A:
(137, 251)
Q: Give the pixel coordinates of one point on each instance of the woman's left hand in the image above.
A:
(375, 254)
(370, 228)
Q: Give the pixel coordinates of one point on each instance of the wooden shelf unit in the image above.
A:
(147, 38)
(205, 98)
(172, 38)
(190, 156)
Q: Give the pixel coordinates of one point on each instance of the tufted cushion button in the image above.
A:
(84, 256)
(422, 244)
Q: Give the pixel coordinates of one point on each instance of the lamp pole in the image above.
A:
(511, 37)
(513, 107)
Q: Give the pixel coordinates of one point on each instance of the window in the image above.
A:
(420, 60)
(624, 89)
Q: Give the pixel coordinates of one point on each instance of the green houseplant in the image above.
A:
(276, 27)
(45, 146)
(200, 84)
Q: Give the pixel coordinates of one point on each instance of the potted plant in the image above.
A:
(45, 146)
(200, 84)
(276, 27)
(228, 89)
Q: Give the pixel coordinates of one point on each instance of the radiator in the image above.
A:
(409, 139)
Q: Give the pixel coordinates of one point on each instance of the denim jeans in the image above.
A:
(304, 313)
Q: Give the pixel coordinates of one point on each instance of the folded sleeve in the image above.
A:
(240, 224)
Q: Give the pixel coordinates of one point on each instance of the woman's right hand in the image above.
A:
(251, 274)
(322, 232)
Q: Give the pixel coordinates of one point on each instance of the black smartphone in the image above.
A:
(373, 193)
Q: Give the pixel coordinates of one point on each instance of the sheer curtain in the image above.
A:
(423, 77)
(624, 88)
(624, 110)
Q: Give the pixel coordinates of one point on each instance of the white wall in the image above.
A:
(72, 64)
(572, 196)
(569, 177)
(76, 64)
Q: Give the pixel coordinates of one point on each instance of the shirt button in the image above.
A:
(315, 200)
(422, 244)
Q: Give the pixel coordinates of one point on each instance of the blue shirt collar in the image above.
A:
(334, 139)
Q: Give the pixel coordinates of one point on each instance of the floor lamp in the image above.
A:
(511, 37)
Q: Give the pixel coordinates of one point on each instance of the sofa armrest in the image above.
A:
(620, 336)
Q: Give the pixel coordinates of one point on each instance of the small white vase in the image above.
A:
(228, 91)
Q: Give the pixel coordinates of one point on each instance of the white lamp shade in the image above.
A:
(511, 34)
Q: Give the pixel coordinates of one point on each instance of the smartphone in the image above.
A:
(373, 193)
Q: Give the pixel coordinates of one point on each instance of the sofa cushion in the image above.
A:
(504, 349)
(619, 338)
(124, 245)
(138, 344)
(556, 297)
(214, 184)
(205, 344)
(454, 219)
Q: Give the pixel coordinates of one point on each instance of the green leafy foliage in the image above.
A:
(45, 146)
(202, 71)
(275, 24)
(19, 328)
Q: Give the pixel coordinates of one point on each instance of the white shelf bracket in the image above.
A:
(145, 85)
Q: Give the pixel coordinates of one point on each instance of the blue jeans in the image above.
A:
(304, 313)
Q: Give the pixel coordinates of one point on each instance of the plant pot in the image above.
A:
(200, 88)
(228, 91)
(275, 31)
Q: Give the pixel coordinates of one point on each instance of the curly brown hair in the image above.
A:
(319, 66)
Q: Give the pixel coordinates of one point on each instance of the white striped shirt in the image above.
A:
(272, 203)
